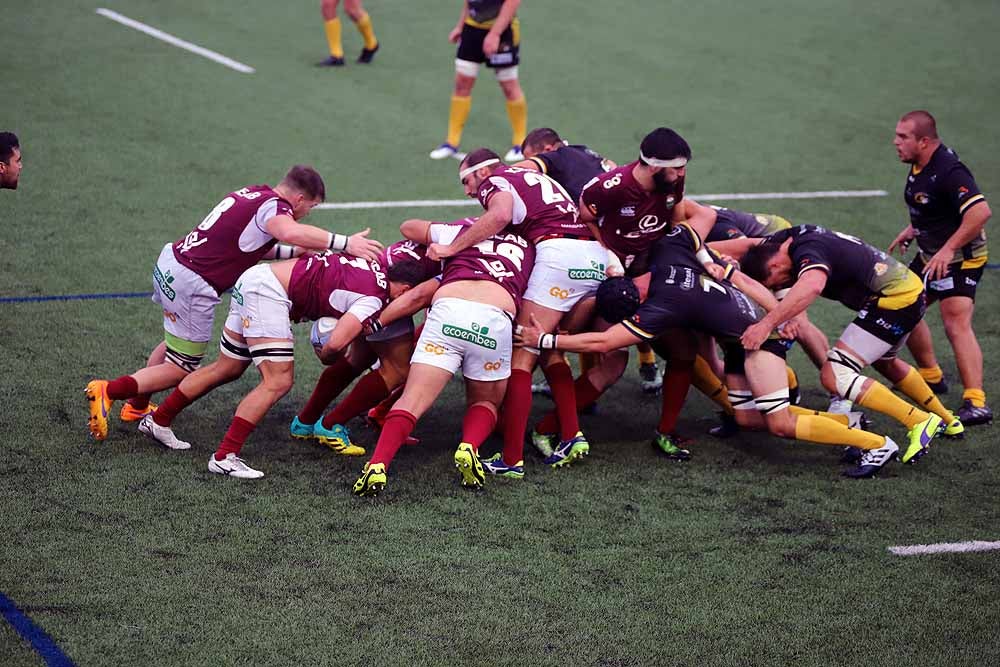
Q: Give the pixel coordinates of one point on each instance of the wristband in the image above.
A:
(338, 242)
(284, 251)
(703, 256)
(547, 341)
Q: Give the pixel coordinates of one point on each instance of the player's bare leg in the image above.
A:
(482, 400)
(956, 314)
(921, 345)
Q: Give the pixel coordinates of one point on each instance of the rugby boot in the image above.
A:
(129, 413)
(726, 428)
(331, 61)
(495, 466)
(667, 445)
(233, 466)
(372, 480)
(873, 460)
(650, 378)
(542, 388)
(367, 54)
(446, 150)
(920, 438)
(973, 416)
(100, 407)
(467, 462)
(337, 438)
(939, 388)
(840, 406)
(161, 434)
(568, 451)
(955, 430)
(513, 155)
(302, 431)
(544, 442)
(851, 454)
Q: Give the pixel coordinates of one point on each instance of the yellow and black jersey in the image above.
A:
(937, 197)
(482, 13)
(571, 167)
(733, 224)
(857, 274)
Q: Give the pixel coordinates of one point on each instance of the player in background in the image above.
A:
(889, 300)
(391, 345)
(10, 161)
(264, 302)
(683, 296)
(487, 31)
(569, 266)
(331, 24)
(191, 274)
(948, 216)
(469, 327)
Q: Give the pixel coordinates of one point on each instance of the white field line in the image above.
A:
(175, 41)
(945, 548)
(418, 203)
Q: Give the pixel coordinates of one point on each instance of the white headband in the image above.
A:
(676, 163)
(476, 167)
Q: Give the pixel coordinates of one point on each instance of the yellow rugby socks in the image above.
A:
(333, 40)
(931, 375)
(915, 386)
(705, 381)
(881, 399)
(646, 356)
(976, 396)
(828, 432)
(806, 412)
(517, 112)
(364, 26)
(457, 115)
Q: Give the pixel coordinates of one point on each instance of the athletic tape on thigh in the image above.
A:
(506, 74)
(776, 400)
(232, 349)
(283, 351)
(846, 371)
(467, 68)
(741, 399)
(186, 362)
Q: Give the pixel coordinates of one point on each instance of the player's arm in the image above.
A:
(456, 32)
(502, 21)
(411, 302)
(806, 289)
(700, 218)
(347, 329)
(284, 228)
(735, 248)
(754, 290)
(284, 251)
(499, 212)
(417, 230)
(530, 163)
(903, 240)
(532, 335)
(972, 225)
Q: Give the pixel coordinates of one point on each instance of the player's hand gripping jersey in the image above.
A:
(542, 208)
(857, 273)
(233, 237)
(630, 219)
(330, 284)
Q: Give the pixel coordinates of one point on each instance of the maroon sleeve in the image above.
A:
(486, 192)
(594, 197)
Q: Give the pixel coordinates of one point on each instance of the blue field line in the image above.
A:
(74, 297)
(34, 635)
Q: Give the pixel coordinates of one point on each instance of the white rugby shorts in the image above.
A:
(464, 334)
(565, 271)
(259, 305)
(188, 301)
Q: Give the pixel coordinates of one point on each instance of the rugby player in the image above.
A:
(889, 300)
(948, 216)
(264, 302)
(392, 345)
(10, 161)
(487, 31)
(191, 274)
(681, 295)
(468, 327)
(331, 24)
(569, 266)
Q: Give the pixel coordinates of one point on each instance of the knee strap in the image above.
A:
(773, 402)
(846, 372)
(741, 399)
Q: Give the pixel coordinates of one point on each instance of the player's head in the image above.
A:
(304, 188)
(769, 263)
(617, 299)
(403, 275)
(916, 136)
(475, 168)
(540, 140)
(10, 160)
(666, 153)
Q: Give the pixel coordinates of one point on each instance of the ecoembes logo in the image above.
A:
(163, 282)
(477, 335)
(595, 272)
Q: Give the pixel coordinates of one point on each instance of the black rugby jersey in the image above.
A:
(571, 166)
(733, 224)
(482, 13)
(857, 273)
(937, 197)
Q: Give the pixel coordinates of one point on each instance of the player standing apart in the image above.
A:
(487, 31)
(331, 24)
(191, 274)
(948, 216)
(10, 161)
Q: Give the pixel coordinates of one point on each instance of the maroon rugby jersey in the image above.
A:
(331, 284)
(233, 237)
(505, 259)
(411, 250)
(541, 206)
(630, 218)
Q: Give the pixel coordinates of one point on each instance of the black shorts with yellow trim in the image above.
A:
(734, 356)
(962, 278)
(891, 326)
(470, 46)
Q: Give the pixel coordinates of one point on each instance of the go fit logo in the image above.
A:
(431, 348)
(560, 293)
(492, 365)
